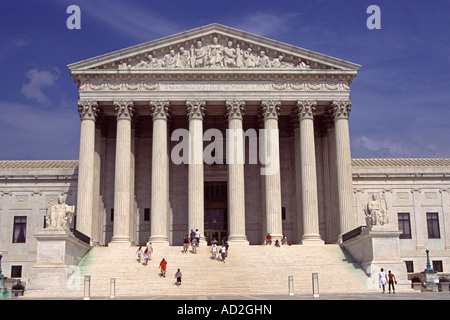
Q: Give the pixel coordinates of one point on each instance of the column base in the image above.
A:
(238, 241)
(120, 242)
(312, 240)
(158, 241)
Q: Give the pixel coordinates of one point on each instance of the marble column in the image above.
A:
(306, 111)
(235, 161)
(88, 111)
(196, 111)
(340, 110)
(160, 174)
(122, 195)
(271, 171)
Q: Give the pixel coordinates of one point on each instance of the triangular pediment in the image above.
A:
(213, 47)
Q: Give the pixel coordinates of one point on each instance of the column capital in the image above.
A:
(270, 109)
(88, 109)
(195, 109)
(235, 109)
(160, 109)
(306, 109)
(124, 109)
(340, 109)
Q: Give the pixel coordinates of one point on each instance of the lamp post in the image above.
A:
(429, 268)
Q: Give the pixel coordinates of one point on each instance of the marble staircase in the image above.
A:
(247, 270)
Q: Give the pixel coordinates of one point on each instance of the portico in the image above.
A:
(130, 189)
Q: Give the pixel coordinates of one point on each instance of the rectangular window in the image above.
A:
(433, 225)
(20, 229)
(437, 265)
(16, 271)
(409, 266)
(404, 225)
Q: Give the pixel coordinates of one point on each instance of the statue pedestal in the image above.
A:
(375, 248)
(58, 253)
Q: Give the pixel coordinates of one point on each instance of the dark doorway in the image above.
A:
(216, 217)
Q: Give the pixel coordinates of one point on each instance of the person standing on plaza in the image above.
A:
(139, 253)
(146, 257)
(194, 245)
(197, 236)
(186, 244)
(268, 239)
(163, 266)
(213, 251)
(178, 276)
(392, 280)
(223, 252)
(383, 279)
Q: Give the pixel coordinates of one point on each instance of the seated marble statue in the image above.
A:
(59, 216)
(376, 211)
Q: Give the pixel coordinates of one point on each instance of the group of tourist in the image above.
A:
(389, 278)
(193, 239)
(146, 254)
(223, 250)
(277, 242)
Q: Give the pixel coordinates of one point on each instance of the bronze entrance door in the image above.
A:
(216, 218)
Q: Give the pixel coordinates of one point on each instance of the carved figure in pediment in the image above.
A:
(239, 57)
(59, 216)
(199, 55)
(263, 61)
(215, 54)
(249, 58)
(229, 56)
(170, 59)
(303, 65)
(183, 59)
(124, 66)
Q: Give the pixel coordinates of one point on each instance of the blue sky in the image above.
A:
(401, 97)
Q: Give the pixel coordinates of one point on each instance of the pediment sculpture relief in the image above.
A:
(215, 55)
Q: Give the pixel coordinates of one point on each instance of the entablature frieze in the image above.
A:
(89, 83)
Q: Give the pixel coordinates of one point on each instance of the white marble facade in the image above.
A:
(128, 189)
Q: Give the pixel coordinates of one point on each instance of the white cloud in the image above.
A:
(38, 81)
(380, 147)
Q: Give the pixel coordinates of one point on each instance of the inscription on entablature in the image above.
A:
(338, 85)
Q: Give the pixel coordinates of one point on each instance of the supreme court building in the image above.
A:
(229, 133)
(132, 101)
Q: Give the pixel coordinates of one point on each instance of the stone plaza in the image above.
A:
(230, 133)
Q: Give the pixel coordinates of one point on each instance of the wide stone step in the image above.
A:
(247, 270)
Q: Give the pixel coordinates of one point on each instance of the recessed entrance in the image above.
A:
(216, 217)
